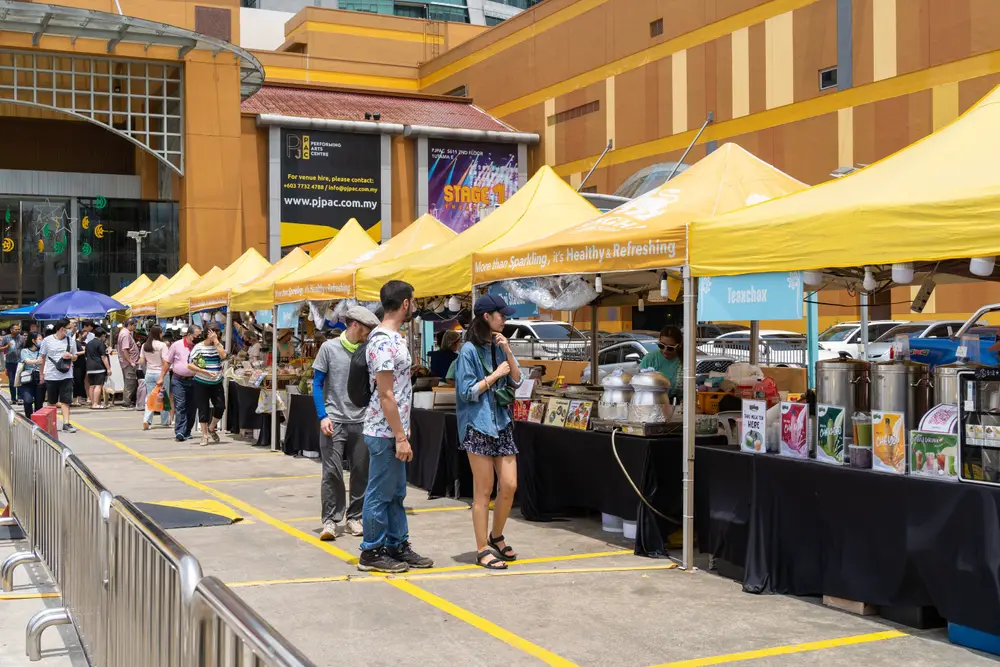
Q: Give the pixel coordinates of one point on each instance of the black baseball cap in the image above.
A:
(491, 303)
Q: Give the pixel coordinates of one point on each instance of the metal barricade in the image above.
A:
(228, 633)
(86, 510)
(22, 500)
(150, 584)
(6, 449)
(47, 523)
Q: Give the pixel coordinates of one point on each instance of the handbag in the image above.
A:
(504, 395)
(63, 365)
(18, 373)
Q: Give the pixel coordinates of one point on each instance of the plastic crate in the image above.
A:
(45, 418)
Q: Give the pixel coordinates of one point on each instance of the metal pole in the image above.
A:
(709, 119)
(754, 342)
(594, 379)
(229, 349)
(138, 257)
(864, 326)
(274, 379)
(20, 253)
(611, 143)
(690, 401)
(812, 336)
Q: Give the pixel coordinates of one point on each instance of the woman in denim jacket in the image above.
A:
(485, 365)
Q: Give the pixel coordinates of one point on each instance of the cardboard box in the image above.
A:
(792, 380)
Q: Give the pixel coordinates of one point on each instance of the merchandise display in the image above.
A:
(795, 430)
(830, 434)
(889, 441)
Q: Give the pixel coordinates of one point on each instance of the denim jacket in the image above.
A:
(473, 409)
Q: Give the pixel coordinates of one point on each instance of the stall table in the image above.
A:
(241, 409)
(302, 432)
(888, 540)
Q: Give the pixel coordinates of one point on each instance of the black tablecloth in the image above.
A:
(302, 433)
(241, 408)
(438, 466)
(723, 485)
(882, 539)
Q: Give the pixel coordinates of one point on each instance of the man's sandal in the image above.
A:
(507, 553)
(493, 564)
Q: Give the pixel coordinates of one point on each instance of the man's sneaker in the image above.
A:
(179, 438)
(377, 560)
(329, 531)
(406, 554)
(68, 428)
(354, 527)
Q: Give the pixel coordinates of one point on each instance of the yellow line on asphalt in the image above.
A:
(228, 455)
(439, 603)
(304, 580)
(255, 479)
(27, 596)
(546, 559)
(409, 510)
(787, 650)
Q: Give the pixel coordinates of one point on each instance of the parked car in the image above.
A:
(543, 339)
(628, 354)
(846, 337)
(622, 336)
(776, 347)
(879, 350)
(716, 329)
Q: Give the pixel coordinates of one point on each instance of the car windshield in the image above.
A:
(838, 334)
(649, 345)
(901, 330)
(556, 331)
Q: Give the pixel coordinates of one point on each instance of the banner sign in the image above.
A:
(327, 178)
(468, 180)
(523, 309)
(759, 296)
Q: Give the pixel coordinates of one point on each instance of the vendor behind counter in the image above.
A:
(667, 360)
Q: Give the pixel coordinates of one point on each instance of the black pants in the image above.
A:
(79, 377)
(33, 395)
(210, 399)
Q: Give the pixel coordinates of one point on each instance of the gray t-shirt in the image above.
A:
(13, 354)
(334, 360)
(53, 349)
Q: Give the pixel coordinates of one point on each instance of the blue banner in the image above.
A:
(264, 316)
(759, 296)
(288, 315)
(523, 309)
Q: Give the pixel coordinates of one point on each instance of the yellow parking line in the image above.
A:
(227, 455)
(304, 580)
(255, 479)
(786, 650)
(27, 596)
(546, 559)
(409, 510)
(439, 603)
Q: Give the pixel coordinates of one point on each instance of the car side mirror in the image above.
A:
(634, 356)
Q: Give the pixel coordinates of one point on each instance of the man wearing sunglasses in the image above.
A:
(667, 359)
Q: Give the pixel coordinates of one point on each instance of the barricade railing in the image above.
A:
(133, 594)
(228, 633)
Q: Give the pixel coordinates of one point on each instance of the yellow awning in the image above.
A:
(178, 303)
(350, 243)
(934, 200)
(179, 281)
(141, 295)
(251, 267)
(135, 287)
(544, 205)
(648, 232)
(211, 277)
(423, 234)
(259, 293)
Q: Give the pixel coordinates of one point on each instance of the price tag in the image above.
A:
(962, 352)
(970, 405)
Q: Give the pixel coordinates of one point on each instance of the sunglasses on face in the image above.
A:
(668, 348)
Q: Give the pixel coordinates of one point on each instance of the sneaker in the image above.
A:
(377, 560)
(406, 554)
(354, 527)
(179, 438)
(68, 428)
(329, 532)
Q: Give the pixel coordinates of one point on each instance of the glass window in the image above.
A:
(555, 331)
(876, 330)
(36, 249)
(900, 330)
(612, 355)
(493, 20)
(838, 334)
(411, 11)
(445, 13)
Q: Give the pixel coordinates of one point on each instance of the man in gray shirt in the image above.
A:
(341, 424)
(57, 354)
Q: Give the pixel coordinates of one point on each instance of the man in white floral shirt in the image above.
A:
(386, 545)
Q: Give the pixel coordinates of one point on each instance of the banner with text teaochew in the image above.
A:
(327, 178)
(466, 180)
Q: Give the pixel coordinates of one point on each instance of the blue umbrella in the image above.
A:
(78, 303)
(20, 311)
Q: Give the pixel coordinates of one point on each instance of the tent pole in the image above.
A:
(812, 336)
(594, 379)
(864, 326)
(229, 349)
(274, 379)
(754, 343)
(689, 403)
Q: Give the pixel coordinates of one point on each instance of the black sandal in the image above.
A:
(494, 564)
(507, 553)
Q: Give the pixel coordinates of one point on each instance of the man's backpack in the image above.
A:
(359, 381)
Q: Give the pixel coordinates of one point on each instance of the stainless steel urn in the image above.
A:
(902, 386)
(844, 382)
(946, 381)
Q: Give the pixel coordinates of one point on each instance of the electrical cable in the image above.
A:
(614, 449)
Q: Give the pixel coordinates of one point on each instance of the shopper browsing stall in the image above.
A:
(98, 366)
(58, 352)
(31, 387)
(128, 359)
(206, 360)
(151, 359)
(486, 374)
(341, 425)
(667, 359)
(182, 391)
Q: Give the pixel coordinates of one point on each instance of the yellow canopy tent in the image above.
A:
(648, 232)
(178, 304)
(135, 287)
(544, 205)
(183, 279)
(258, 294)
(350, 243)
(937, 199)
(216, 296)
(155, 286)
(210, 278)
(422, 235)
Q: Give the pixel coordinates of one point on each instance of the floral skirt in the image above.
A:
(486, 445)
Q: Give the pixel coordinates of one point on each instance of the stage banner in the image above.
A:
(467, 180)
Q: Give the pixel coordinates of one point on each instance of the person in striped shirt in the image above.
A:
(206, 361)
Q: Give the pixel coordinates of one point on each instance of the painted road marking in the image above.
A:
(787, 650)
(256, 479)
(439, 603)
(409, 510)
(27, 596)
(227, 455)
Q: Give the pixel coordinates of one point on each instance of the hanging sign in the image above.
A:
(522, 308)
(757, 296)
